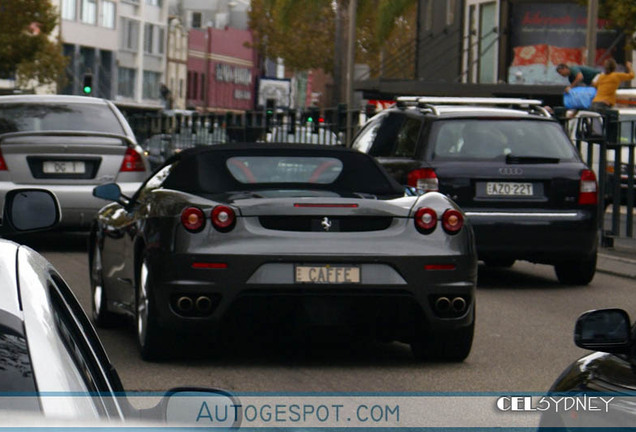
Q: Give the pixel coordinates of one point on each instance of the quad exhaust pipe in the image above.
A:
(444, 305)
(190, 305)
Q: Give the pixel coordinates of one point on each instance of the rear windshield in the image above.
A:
(213, 171)
(42, 117)
(497, 138)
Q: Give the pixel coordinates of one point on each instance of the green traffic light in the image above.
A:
(309, 119)
(87, 89)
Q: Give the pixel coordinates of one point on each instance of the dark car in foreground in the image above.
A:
(52, 363)
(609, 372)
(283, 234)
(508, 164)
(68, 145)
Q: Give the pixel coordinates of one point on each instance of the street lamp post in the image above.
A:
(350, 66)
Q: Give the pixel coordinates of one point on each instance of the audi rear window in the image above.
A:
(43, 117)
(498, 139)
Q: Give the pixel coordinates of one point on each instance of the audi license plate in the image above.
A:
(63, 167)
(327, 274)
(508, 189)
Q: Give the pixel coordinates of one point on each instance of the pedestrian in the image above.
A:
(607, 82)
(577, 75)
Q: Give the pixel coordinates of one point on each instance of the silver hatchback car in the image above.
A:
(69, 145)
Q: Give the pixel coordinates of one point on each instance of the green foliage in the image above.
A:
(28, 47)
(302, 32)
(622, 15)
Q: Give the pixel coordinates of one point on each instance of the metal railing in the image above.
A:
(606, 142)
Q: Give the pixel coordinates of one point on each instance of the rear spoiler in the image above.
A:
(124, 138)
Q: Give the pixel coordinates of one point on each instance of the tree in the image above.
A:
(622, 15)
(302, 32)
(28, 49)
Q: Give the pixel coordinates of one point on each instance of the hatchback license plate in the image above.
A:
(327, 274)
(509, 189)
(63, 167)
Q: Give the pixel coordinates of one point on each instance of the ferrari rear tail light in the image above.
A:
(452, 221)
(3, 164)
(424, 179)
(425, 220)
(588, 192)
(193, 219)
(132, 161)
(223, 218)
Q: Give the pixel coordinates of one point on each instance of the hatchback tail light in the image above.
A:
(132, 162)
(588, 192)
(223, 218)
(193, 219)
(425, 220)
(424, 179)
(452, 221)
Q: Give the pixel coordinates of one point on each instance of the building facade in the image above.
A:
(176, 77)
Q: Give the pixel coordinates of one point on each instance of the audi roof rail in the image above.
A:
(430, 102)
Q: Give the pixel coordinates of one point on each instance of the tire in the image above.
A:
(102, 317)
(500, 262)
(580, 272)
(449, 346)
(150, 337)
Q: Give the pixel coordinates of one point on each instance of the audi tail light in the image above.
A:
(132, 162)
(424, 179)
(452, 221)
(193, 219)
(588, 191)
(3, 164)
(425, 220)
(223, 218)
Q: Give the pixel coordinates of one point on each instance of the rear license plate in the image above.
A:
(63, 167)
(508, 189)
(327, 274)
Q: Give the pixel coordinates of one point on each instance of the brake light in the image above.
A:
(425, 220)
(193, 219)
(3, 164)
(223, 218)
(588, 192)
(132, 161)
(424, 179)
(452, 221)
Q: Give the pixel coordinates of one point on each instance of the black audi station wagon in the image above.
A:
(508, 164)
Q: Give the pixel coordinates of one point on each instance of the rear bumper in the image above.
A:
(396, 293)
(545, 237)
(77, 202)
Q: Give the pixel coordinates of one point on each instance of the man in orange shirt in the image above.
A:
(607, 83)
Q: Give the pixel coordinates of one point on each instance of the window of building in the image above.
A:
(151, 85)
(160, 40)
(89, 11)
(154, 2)
(202, 87)
(181, 88)
(126, 82)
(450, 12)
(148, 38)
(195, 20)
(130, 34)
(108, 14)
(69, 10)
(428, 16)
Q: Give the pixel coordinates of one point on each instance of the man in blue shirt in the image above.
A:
(577, 75)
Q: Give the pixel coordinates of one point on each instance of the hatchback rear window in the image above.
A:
(42, 117)
(486, 139)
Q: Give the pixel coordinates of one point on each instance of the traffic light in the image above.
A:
(87, 84)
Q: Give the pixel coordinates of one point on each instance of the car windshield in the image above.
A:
(239, 168)
(498, 139)
(42, 117)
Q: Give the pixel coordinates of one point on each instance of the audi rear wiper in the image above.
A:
(512, 159)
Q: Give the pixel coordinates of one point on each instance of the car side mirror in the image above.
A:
(110, 192)
(27, 210)
(197, 407)
(606, 330)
